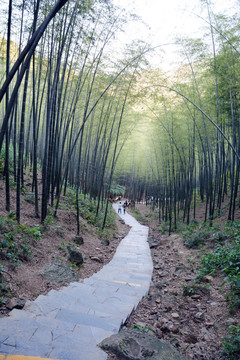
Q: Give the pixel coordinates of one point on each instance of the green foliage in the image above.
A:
(164, 227)
(104, 233)
(117, 189)
(196, 289)
(88, 211)
(233, 229)
(226, 259)
(9, 245)
(195, 236)
(3, 287)
(25, 250)
(231, 344)
(12, 215)
(139, 217)
(47, 222)
(1, 163)
(110, 220)
(191, 228)
(62, 246)
(142, 328)
(33, 232)
(189, 290)
(71, 193)
(30, 198)
(196, 239)
(87, 208)
(15, 240)
(74, 266)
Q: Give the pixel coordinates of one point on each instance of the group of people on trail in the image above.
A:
(123, 206)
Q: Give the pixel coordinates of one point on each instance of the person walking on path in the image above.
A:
(119, 207)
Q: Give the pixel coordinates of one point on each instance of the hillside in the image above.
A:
(27, 248)
(192, 316)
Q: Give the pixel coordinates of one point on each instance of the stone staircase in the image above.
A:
(69, 323)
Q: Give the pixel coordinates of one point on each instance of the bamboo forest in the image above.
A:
(87, 120)
(76, 117)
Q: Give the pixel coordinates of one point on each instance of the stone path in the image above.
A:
(69, 323)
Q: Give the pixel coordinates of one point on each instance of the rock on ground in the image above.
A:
(134, 344)
(58, 273)
(75, 256)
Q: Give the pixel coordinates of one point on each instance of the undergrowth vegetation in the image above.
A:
(139, 217)
(17, 241)
(223, 260)
(218, 250)
(231, 344)
(89, 211)
(15, 246)
(194, 236)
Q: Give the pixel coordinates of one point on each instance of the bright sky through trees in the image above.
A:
(170, 19)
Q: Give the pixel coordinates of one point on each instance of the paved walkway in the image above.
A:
(69, 323)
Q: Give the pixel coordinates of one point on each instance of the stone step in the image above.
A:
(69, 323)
(46, 337)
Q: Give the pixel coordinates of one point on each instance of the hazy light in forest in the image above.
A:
(166, 20)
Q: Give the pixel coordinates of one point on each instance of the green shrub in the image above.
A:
(227, 260)
(15, 239)
(33, 232)
(231, 344)
(196, 239)
(88, 210)
(163, 227)
(104, 233)
(194, 236)
(30, 198)
(117, 189)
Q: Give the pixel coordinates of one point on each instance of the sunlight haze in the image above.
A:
(162, 21)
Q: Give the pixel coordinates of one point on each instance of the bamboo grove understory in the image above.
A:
(74, 113)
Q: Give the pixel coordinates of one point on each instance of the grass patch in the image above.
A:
(139, 217)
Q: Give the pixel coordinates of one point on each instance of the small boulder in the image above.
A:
(105, 242)
(78, 240)
(138, 345)
(75, 256)
(58, 273)
(15, 303)
(153, 243)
